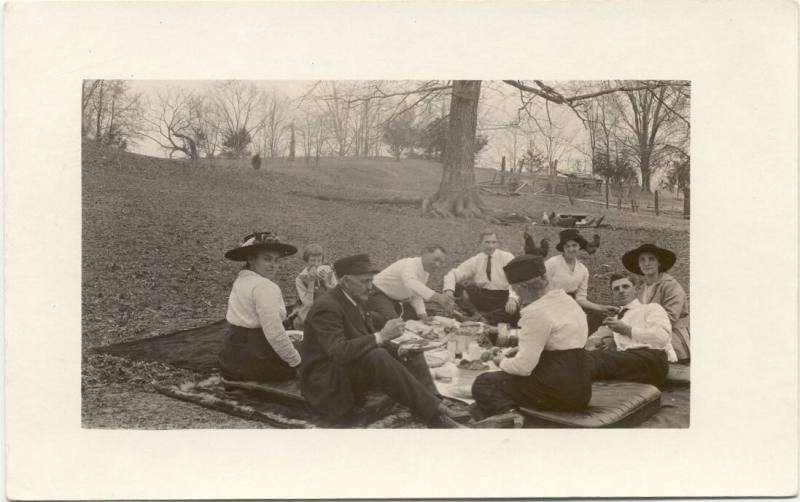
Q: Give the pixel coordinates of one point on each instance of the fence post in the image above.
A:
(686, 203)
(503, 171)
(606, 194)
(655, 197)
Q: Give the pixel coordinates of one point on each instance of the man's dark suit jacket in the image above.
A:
(335, 337)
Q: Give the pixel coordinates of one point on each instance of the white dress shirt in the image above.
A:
(553, 322)
(255, 302)
(571, 281)
(474, 269)
(404, 281)
(650, 329)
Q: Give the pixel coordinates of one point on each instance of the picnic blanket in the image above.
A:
(194, 349)
(281, 405)
(197, 349)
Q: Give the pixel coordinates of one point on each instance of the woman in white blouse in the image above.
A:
(565, 271)
(257, 347)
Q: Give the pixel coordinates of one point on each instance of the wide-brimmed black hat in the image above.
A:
(259, 240)
(570, 234)
(359, 264)
(524, 268)
(666, 258)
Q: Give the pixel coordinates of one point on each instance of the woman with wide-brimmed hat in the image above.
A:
(653, 262)
(565, 271)
(257, 347)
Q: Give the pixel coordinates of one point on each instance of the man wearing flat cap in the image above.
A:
(343, 357)
(549, 370)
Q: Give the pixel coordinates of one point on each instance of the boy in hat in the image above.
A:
(344, 356)
(549, 369)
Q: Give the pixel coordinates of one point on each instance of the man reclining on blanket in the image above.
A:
(343, 357)
(635, 345)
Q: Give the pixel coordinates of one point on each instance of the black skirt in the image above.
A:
(247, 355)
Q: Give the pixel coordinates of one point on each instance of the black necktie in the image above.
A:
(489, 267)
(622, 312)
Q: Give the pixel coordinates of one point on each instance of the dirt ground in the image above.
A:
(155, 230)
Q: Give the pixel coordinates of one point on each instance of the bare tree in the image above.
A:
(88, 89)
(177, 123)
(554, 139)
(651, 111)
(111, 112)
(273, 123)
(458, 194)
(236, 104)
(337, 107)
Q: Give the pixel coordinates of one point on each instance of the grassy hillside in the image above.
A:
(155, 231)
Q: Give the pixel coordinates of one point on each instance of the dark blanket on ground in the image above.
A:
(211, 392)
(197, 349)
(192, 349)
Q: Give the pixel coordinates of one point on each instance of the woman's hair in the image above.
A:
(312, 250)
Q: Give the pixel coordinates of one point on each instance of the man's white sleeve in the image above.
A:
(657, 331)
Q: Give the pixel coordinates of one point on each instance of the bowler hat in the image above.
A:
(524, 268)
(258, 241)
(570, 234)
(359, 264)
(666, 258)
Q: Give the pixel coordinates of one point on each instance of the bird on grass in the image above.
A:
(591, 246)
(532, 249)
(545, 218)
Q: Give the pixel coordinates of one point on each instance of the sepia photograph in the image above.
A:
(385, 254)
(400, 250)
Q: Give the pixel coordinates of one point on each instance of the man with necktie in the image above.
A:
(634, 345)
(483, 279)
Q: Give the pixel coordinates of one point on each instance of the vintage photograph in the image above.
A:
(385, 254)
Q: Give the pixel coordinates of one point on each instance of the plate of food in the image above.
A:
(410, 341)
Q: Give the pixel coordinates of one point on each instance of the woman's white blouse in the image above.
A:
(255, 301)
(571, 281)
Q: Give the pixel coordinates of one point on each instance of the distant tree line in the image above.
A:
(635, 129)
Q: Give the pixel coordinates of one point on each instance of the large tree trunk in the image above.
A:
(645, 168)
(458, 193)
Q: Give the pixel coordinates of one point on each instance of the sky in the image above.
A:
(499, 106)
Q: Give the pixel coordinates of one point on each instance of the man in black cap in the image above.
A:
(549, 370)
(343, 356)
